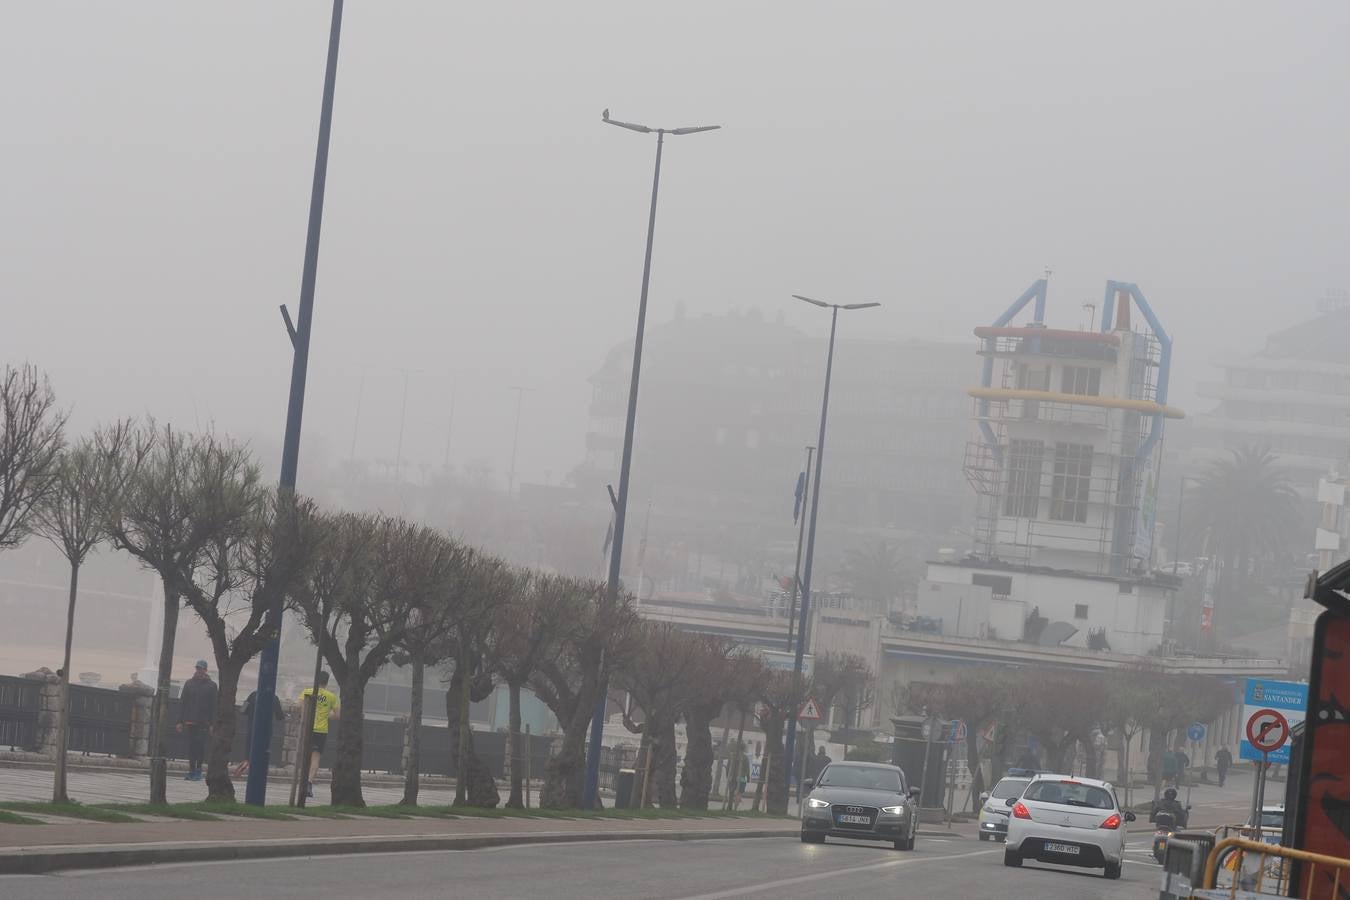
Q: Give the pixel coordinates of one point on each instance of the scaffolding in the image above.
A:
(1061, 482)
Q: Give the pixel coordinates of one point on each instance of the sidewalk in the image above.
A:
(33, 849)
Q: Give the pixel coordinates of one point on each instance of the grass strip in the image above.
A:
(9, 818)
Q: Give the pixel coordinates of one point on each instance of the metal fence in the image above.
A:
(100, 721)
(19, 699)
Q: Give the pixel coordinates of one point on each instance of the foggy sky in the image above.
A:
(485, 229)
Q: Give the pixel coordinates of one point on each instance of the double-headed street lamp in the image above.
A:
(790, 747)
(621, 501)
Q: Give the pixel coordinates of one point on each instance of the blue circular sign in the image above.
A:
(1196, 732)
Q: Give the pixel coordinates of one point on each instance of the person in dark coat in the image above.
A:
(1223, 761)
(196, 712)
(277, 713)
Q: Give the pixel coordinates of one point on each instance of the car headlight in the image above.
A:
(893, 810)
(989, 809)
(813, 803)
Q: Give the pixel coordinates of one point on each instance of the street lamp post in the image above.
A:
(256, 791)
(592, 781)
(801, 534)
(788, 750)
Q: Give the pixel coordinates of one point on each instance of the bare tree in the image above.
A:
(31, 437)
(597, 634)
(389, 565)
(528, 627)
(659, 677)
(782, 694)
(243, 569)
(719, 677)
(428, 642)
(186, 491)
(89, 477)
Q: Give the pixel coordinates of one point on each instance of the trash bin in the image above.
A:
(623, 788)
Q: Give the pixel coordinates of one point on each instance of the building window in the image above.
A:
(1033, 378)
(999, 585)
(1081, 380)
(1080, 610)
(1025, 462)
(1072, 479)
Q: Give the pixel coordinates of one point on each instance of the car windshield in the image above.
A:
(864, 777)
(1070, 793)
(1009, 787)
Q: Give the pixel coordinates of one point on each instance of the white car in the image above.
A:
(994, 811)
(1069, 822)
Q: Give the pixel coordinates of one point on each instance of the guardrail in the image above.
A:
(1230, 856)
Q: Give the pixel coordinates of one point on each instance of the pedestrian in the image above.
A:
(196, 712)
(277, 713)
(1183, 763)
(326, 708)
(1223, 760)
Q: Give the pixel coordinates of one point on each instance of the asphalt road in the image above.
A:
(672, 870)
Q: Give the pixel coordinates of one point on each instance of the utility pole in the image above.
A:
(801, 532)
(256, 791)
(590, 790)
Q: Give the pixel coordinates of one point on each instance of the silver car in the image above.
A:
(862, 801)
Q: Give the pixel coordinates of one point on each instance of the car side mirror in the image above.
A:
(1129, 816)
(914, 791)
(1012, 801)
(809, 783)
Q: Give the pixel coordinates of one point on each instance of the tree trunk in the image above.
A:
(776, 788)
(219, 787)
(346, 786)
(973, 766)
(473, 780)
(159, 724)
(517, 798)
(664, 761)
(565, 771)
(412, 771)
(641, 789)
(63, 723)
(696, 779)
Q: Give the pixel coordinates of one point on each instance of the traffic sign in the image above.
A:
(1267, 729)
(1289, 698)
(810, 711)
(958, 731)
(1196, 732)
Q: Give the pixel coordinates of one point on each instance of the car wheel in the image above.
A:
(1011, 858)
(905, 843)
(809, 838)
(1112, 870)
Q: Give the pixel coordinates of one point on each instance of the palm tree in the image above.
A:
(1248, 509)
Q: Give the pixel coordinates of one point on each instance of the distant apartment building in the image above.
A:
(730, 402)
(1292, 397)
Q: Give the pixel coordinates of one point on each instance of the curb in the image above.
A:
(38, 862)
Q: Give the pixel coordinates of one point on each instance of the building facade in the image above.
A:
(1293, 397)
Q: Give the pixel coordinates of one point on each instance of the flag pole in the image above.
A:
(805, 481)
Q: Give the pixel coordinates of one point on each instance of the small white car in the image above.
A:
(1067, 821)
(994, 811)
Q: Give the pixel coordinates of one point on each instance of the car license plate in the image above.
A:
(854, 820)
(1070, 849)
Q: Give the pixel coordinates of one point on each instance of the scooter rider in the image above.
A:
(1170, 805)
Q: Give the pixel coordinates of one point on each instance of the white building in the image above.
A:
(1065, 466)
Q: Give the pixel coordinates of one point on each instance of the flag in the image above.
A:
(797, 496)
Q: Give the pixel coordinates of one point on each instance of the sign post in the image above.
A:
(1267, 732)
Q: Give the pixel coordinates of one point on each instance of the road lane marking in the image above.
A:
(833, 873)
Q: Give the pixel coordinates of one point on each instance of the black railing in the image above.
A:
(19, 699)
(100, 721)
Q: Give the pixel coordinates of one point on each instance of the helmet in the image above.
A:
(1170, 793)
